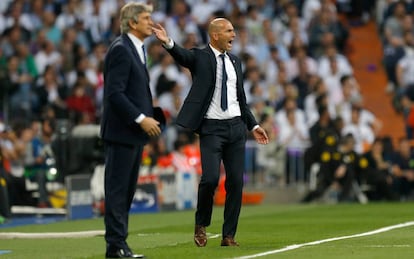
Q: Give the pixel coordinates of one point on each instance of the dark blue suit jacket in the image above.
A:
(202, 64)
(126, 94)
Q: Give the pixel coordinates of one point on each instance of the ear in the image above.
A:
(132, 23)
(215, 36)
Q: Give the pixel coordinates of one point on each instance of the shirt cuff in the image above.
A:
(255, 127)
(140, 118)
(169, 45)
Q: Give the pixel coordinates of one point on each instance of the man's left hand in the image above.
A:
(260, 136)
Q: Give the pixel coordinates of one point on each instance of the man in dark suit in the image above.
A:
(216, 109)
(127, 122)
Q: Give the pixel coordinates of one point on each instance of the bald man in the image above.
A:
(216, 109)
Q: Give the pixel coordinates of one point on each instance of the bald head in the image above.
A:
(216, 25)
(221, 33)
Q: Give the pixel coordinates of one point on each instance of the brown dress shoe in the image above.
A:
(200, 236)
(229, 241)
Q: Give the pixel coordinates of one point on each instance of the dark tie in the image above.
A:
(223, 85)
(145, 54)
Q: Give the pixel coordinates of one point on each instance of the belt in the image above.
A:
(231, 121)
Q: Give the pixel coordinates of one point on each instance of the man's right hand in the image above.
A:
(160, 33)
(150, 126)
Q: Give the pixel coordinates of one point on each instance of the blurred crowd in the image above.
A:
(298, 81)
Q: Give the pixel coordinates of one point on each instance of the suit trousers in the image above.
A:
(221, 140)
(122, 164)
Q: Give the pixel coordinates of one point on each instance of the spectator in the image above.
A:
(290, 104)
(19, 86)
(180, 22)
(299, 54)
(165, 70)
(393, 28)
(271, 158)
(170, 99)
(35, 15)
(21, 137)
(311, 9)
(402, 169)
(374, 170)
(350, 93)
(12, 38)
(332, 81)
(53, 33)
(48, 55)
(281, 21)
(324, 32)
(16, 18)
(302, 81)
(52, 93)
(344, 169)
(294, 136)
(296, 29)
(271, 40)
(243, 44)
(362, 133)
(43, 159)
(83, 71)
(67, 49)
(254, 22)
(79, 103)
(331, 52)
(405, 71)
(67, 18)
(255, 85)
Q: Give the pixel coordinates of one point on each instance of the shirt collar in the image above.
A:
(137, 42)
(216, 52)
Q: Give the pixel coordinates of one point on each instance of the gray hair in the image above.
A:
(131, 11)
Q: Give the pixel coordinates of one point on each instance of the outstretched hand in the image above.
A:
(260, 136)
(160, 33)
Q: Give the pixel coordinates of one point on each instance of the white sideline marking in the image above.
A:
(318, 242)
(387, 246)
(213, 235)
(79, 234)
(15, 235)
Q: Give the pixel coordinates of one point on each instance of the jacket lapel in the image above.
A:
(129, 43)
(239, 73)
(213, 61)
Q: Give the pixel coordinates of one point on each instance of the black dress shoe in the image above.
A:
(122, 253)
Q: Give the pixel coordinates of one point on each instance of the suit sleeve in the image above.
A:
(182, 56)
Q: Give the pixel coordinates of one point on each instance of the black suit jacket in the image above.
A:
(126, 94)
(202, 64)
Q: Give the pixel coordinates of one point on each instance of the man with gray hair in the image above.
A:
(127, 123)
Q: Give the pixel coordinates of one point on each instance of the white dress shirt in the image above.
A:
(138, 45)
(214, 110)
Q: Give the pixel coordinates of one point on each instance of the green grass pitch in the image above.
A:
(261, 229)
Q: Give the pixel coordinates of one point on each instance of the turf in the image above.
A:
(261, 228)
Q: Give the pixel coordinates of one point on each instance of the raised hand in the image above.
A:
(160, 33)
